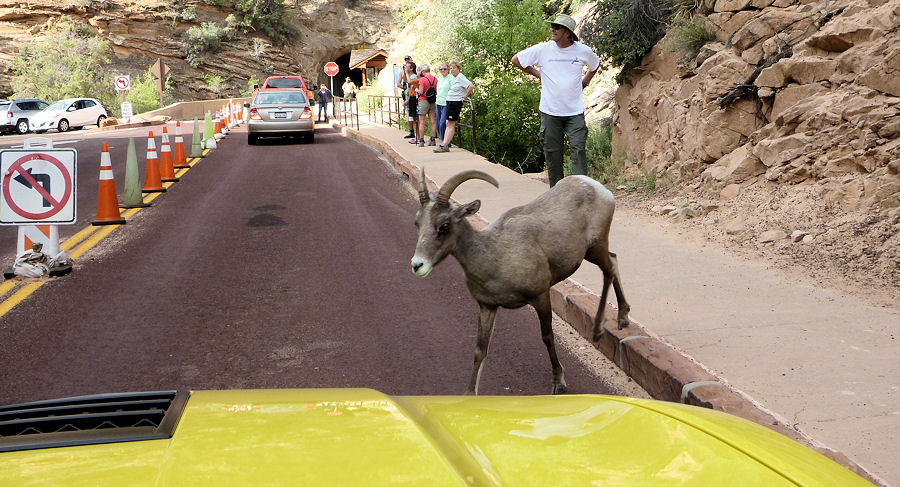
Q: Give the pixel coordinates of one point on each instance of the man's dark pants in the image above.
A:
(552, 131)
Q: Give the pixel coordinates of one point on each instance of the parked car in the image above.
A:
(361, 437)
(69, 113)
(278, 113)
(15, 114)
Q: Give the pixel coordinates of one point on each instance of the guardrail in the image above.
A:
(345, 109)
(393, 108)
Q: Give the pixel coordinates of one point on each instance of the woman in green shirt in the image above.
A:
(443, 86)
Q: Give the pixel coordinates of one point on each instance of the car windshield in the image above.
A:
(57, 106)
(284, 83)
(280, 98)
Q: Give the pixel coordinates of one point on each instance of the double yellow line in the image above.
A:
(75, 246)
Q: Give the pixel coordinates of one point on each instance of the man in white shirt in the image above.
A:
(561, 61)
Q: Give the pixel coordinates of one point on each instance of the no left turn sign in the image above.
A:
(123, 82)
(38, 186)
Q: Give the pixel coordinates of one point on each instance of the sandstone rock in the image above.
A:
(736, 166)
(776, 151)
(730, 192)
(735, 227)
(791, 95)
(730, 5)
(772, 236)
(797, 235)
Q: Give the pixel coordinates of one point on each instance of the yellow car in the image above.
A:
(361, 437)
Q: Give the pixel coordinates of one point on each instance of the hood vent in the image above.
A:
(87, 420)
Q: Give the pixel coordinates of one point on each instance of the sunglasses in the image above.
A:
(555, 26)
(443, 69)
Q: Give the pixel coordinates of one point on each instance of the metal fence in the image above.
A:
(346, 110)
(391, 110)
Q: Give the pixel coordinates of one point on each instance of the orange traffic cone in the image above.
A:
(166, 165)
(107, 203)
(152, 180)
(180, 160)
(217, 127)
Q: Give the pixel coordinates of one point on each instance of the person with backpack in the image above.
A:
(427, 98)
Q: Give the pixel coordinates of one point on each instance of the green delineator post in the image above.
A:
(132, 197)
(196, 147)
(209, 139)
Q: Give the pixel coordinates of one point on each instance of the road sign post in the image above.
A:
(331, 69)
(160, 70)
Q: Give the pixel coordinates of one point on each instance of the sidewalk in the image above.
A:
(712, 330)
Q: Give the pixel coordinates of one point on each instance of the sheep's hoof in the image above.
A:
(598, 334)
(559, 389)
(623, 323)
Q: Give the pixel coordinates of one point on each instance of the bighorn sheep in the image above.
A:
(525, 251)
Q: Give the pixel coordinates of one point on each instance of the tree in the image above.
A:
(68, 61)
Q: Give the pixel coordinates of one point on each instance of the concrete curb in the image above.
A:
(665, 372)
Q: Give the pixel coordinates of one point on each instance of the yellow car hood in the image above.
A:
(360, 437)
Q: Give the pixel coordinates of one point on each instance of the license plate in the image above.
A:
(280, 114)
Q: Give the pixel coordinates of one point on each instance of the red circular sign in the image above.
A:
(331, 68)
(56, 205)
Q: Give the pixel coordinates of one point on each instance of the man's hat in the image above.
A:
(407, 58)
(567, 22)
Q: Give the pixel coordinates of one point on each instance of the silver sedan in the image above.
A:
(279, 113)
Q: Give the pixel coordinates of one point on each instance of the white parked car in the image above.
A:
(69, 113)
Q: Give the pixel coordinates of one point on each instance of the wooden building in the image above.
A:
(369, 61)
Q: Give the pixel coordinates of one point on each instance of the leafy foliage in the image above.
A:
(268, 16)
(65, 62)
(688, 34)
(143, 95)
(203, 40)
(626, 31)
(504, 96)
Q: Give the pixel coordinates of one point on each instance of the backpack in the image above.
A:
(431, 93)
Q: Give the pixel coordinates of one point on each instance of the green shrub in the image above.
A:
(251, 82)
(203, 40)
(65, 62)
(688, 34)
(626, 31)
(603, 164)
(213, 81)
(143, 95)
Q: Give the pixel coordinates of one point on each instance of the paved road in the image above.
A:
(280, 265)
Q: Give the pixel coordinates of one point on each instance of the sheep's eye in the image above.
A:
(444, 228)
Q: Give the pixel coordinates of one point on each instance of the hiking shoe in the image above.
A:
(414, 141)
(442, 148)
(421, 142)
(431, 142)
(409, 136)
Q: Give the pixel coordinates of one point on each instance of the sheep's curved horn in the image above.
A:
(423, 187)
(443, 196)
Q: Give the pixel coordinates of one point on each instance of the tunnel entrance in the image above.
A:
(369, 63)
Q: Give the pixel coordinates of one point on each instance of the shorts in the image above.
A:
(453, 110)
(424, 107)
(412, 112)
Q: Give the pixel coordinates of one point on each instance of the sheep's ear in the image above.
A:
(467, 209)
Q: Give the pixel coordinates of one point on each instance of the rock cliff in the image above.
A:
(794, 111)
(140, 31)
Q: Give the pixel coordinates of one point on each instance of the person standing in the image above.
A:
(412, 101)
(349, 88)
(403, 86)
(460, 90)
(561, 61)
(427, 99)
(440, 103)
(324, 100)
